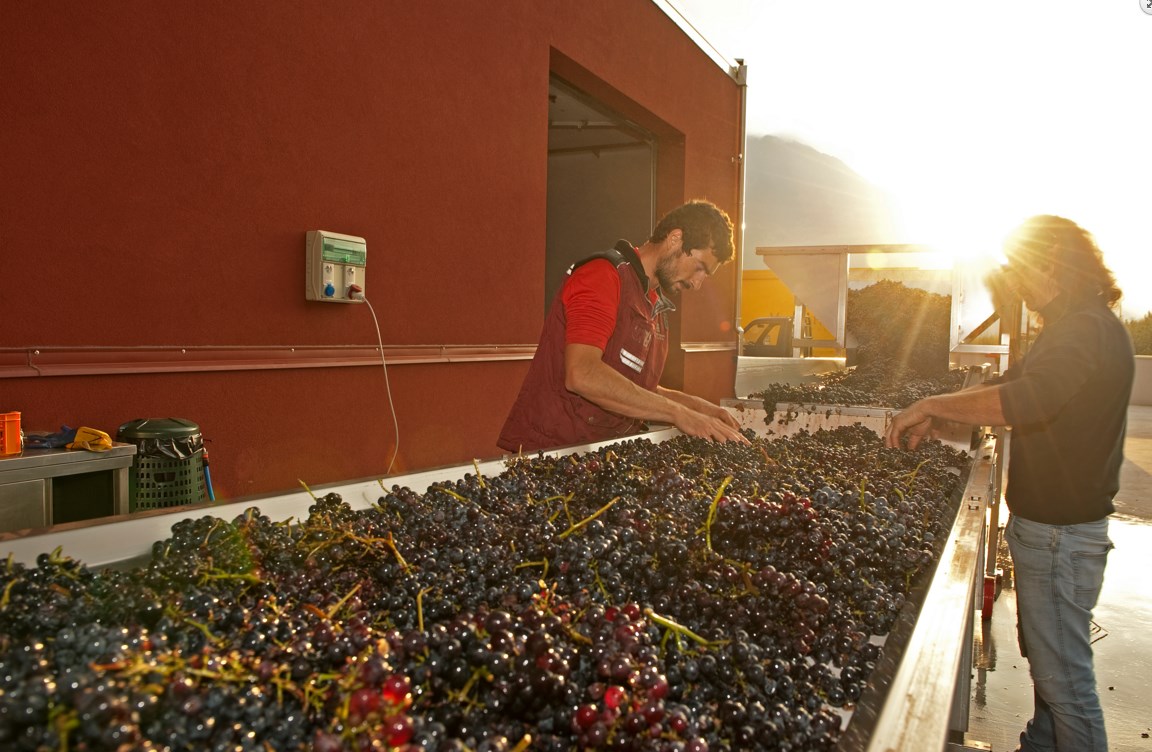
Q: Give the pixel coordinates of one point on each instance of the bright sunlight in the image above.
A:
(970, 118)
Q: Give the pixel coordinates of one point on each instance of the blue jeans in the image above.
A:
(1058, 571)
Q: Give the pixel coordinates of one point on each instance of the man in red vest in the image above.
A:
(596, 372)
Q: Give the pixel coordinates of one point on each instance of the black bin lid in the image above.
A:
(157, 428)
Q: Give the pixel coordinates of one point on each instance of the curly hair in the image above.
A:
(704, 224)
(1077, 261)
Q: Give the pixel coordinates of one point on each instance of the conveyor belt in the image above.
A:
(918, 694)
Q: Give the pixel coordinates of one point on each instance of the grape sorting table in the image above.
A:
(918, 696)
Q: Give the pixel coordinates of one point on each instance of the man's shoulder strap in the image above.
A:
(611, 254)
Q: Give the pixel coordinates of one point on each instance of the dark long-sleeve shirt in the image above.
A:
(1067, 403)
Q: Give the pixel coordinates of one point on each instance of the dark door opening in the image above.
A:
(601, 181)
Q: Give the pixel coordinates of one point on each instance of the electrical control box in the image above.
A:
(335, 267)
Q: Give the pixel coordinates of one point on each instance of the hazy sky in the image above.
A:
(971, 117)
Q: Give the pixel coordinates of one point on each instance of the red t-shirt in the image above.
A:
(591, 297)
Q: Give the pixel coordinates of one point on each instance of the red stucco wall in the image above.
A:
(162, 161)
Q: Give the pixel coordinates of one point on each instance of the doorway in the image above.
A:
(601, 181)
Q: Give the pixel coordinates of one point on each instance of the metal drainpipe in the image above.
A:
(739, 73)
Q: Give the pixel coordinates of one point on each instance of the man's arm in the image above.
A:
(980, 405)
(700, 405)
(586, 374)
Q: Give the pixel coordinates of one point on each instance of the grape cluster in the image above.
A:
(894, 324)
(902, 336)
(881, 384)
(683, 596)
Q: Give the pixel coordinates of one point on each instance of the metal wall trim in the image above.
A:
(700, 347)
(56, 360)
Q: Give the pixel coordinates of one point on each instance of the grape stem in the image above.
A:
(390, 543)
(712, 512)
(541, 563)
(679, 629)
(203, 628)
(8, 591)
(588, 519)
(65, 722)
(212, 530)
(340, 603)
(450, 492)
(462, 696)
(599, 582)
(420, 607)
(217, 574)
(911, 475)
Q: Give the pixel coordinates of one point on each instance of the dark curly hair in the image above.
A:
(1078, 264)
(704, 225)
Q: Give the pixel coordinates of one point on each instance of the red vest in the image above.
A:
(546, 415)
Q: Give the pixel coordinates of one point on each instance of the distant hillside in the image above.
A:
(797, 195)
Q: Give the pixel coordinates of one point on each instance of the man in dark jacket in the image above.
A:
(1067, 404)
(596, 372)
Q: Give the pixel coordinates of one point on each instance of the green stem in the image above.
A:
(462, 696)
(588, 519)
(390, 543)
(599, 582)
(8, 593)
(712, 511)
(218, 575)
(420, 608)
(203, 628)
(679, 629)
(450, 492)
(337, 606)
(65, 721)
(212, 530)
(541, 563)
(913, 473)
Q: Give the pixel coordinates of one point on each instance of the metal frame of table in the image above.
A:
(46, 464)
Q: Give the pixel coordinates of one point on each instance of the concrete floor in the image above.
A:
(1002, 689)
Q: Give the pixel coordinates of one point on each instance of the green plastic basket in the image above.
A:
(168, 470)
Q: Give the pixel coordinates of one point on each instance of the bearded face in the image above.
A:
(677, 271)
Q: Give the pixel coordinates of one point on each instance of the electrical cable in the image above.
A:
(387, 385)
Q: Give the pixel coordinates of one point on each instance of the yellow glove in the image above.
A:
(91, 439)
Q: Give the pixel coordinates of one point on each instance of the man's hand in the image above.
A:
(915, 433)
(723, 416)
(694, 424)
(701, 405)
(586, 374)
(714, 427)
(976, 406)
(914, 422)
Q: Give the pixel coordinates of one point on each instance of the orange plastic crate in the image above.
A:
(9, 433)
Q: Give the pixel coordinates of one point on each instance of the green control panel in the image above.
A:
(336, 266)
